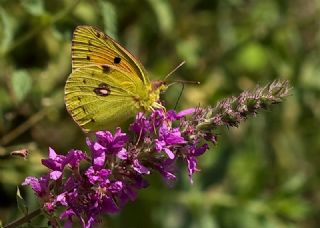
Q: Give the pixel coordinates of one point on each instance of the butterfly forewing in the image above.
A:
(91, 46)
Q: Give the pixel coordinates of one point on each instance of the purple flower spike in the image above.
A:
(121, 161)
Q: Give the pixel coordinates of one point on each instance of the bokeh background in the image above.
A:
(263, 174)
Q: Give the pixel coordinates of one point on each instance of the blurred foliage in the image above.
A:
(263, 174)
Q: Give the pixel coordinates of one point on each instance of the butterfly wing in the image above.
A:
(100, 96)
(107, 84)
(92, 46)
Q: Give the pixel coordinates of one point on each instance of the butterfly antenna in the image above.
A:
(179, 81)
(183, 82)
(175, 106)
(176, 68)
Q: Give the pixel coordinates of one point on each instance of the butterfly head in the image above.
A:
(151, 101)
(158, 86)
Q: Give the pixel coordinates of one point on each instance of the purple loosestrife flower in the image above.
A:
(118, 163)
(191, 157)
(39, 185)
(168, 138)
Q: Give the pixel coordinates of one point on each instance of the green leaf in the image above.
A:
(189, 51)
(21, 84)
(109, 16)
(7, 30)
(4, 99)
(34, 7)
(252, 57)
(164, 14)
(21, 203)
(265, 14)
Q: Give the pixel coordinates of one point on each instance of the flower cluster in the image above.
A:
(118, 163)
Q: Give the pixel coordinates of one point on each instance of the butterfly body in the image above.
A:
(107, 84)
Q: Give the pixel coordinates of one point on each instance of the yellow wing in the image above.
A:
(92, 46)
(101, 96)
(107, 84)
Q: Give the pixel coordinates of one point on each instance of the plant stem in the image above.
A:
(24, 219)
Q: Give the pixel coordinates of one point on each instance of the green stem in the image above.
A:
(24, 219)
(23, 127)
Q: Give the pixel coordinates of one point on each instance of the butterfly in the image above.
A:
(107, 84)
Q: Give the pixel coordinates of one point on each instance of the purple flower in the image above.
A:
(122, 154)
(168, 138)
(113, 144)
(140, 168)
(98, 154)
(74, 157)
(157, 118)
(173, 115)
(107, 145)
(39, 185)
(141, 125)
(67, 215)
(54, 162)
(129, 190)
(98, 176)
(185, 112)
(192, 167)
(72, 182)
(167, 169)
(108, 205)
(193, 152)
(116, 186)
(62, 199)
(55, 175)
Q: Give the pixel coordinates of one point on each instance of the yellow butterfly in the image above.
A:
(107, 84)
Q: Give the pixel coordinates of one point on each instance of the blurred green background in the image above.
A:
(263, 174)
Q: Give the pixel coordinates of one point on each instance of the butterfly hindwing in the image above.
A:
(100, 96)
